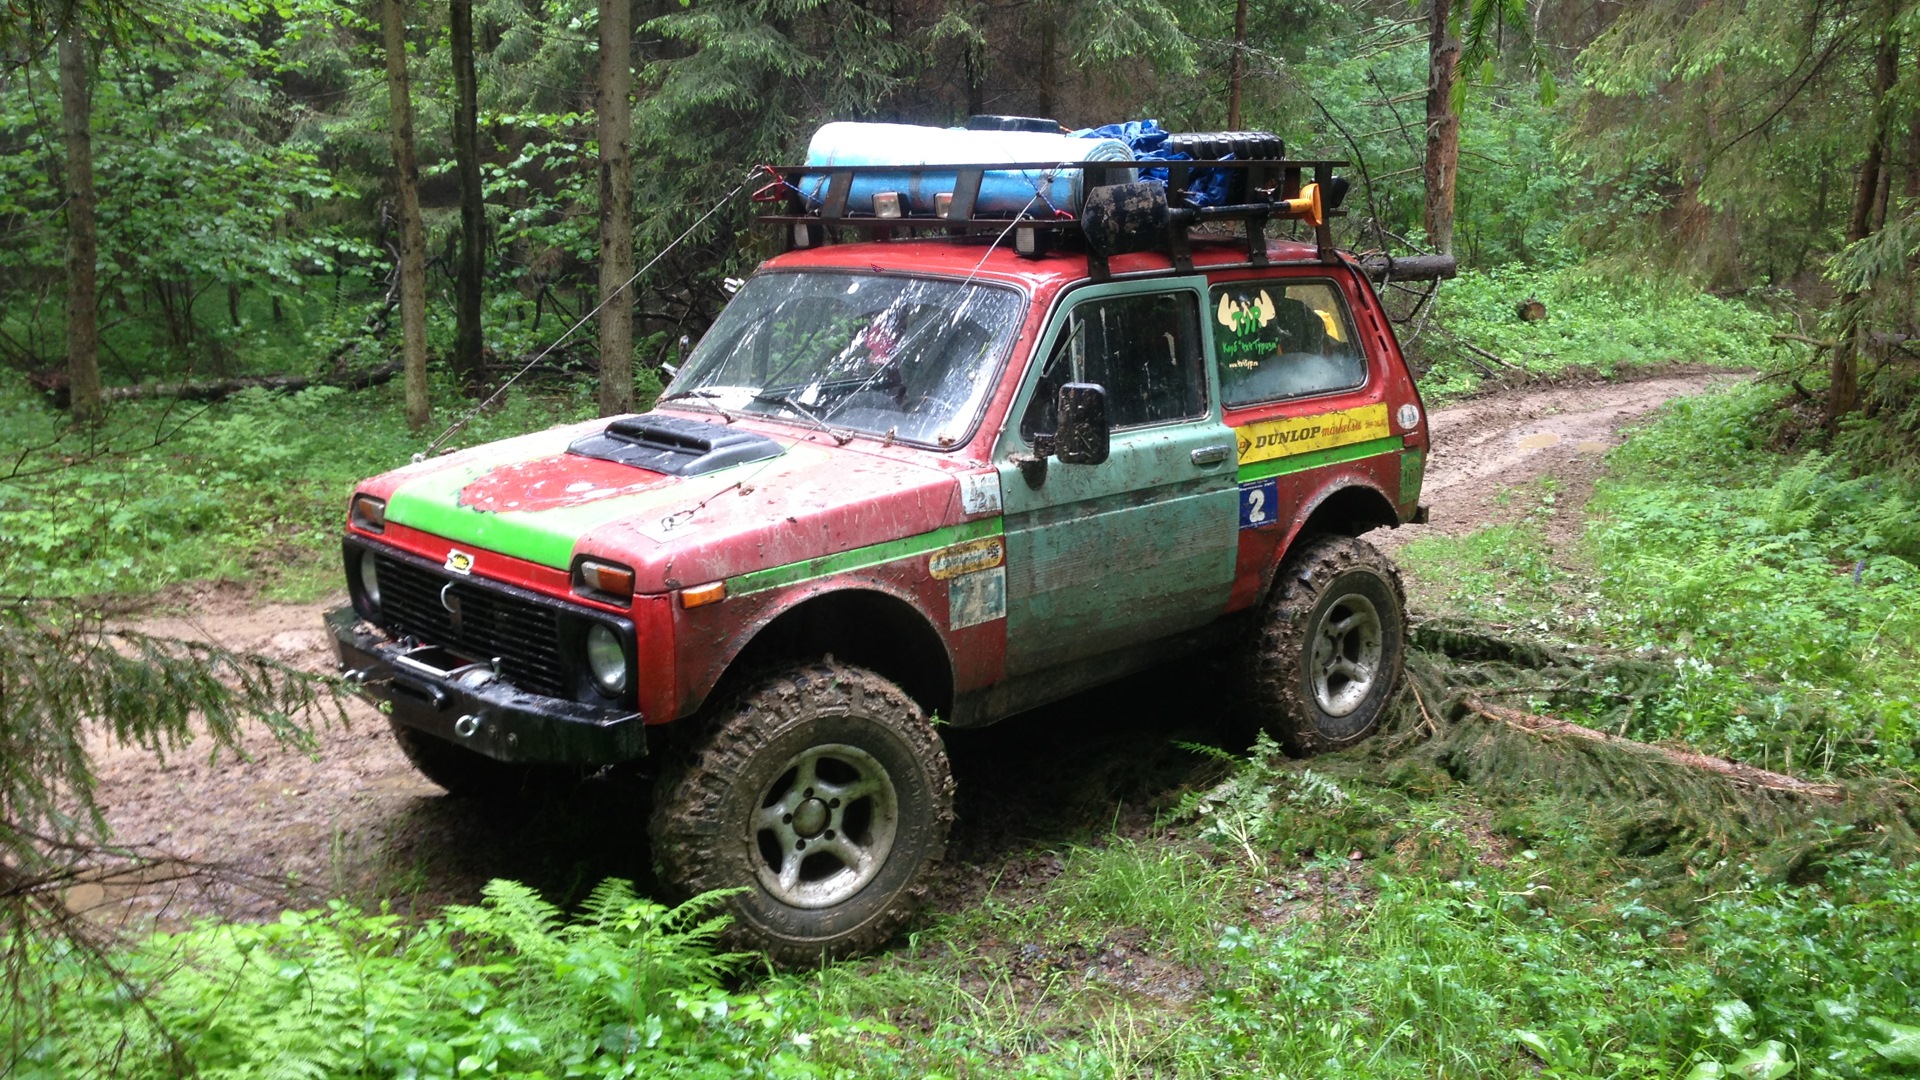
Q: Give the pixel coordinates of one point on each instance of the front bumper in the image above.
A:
(469, 706)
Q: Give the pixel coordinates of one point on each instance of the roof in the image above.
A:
(972, 257)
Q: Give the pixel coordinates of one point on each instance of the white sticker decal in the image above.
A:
(1409, 415)
(977, 598)
(459, 562)
(980, 493)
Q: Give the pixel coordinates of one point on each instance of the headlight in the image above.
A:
(606, 659)
(369, 579)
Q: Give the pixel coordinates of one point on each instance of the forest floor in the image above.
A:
(353, 820)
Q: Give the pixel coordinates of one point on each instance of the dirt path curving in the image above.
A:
(353, 819)
(1484, 447)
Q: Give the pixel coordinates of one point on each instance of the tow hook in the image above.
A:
(469, 725)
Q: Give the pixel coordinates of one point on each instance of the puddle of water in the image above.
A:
(1592, 446)
(1539, 440)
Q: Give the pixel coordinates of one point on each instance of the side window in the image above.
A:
(1277, 340)
(1144, 349)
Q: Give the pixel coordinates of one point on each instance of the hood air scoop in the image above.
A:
(668, 444)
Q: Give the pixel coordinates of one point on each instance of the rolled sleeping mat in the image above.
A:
(1002, 193)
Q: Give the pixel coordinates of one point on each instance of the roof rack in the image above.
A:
(1117, 214)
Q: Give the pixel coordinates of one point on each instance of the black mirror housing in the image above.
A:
(1081, 436)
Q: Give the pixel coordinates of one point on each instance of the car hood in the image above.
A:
(530, 498)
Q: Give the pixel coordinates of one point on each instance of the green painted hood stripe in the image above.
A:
(547, 537)
(861, 558)
(1301, 462)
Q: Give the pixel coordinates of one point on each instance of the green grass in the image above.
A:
(1596, 324)
(252, 489)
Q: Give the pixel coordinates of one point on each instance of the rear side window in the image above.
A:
(1144, 349)
(1275, 340)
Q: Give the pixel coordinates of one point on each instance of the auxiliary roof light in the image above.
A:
(1307, 206)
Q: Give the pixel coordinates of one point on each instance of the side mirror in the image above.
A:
(1080, 436)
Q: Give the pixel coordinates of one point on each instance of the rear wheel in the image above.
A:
(822, 794)
(1331, 647)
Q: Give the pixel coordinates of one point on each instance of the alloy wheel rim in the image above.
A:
(1347, 648)
(824, 827)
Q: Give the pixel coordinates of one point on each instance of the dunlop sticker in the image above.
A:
(1287, 436)
(983, 554)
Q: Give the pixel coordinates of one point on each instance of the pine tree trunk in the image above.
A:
(83, 327)
(1843, 368)
(1237, 66)
(406, 179)
(1443, 127)
(614, 108)
(471, 269)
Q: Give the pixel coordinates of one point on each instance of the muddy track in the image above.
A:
(352, 819)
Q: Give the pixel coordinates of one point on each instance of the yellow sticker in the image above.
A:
(1287, 436)
(966, 558)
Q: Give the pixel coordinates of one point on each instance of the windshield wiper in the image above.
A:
(705, 396)
(784, 399)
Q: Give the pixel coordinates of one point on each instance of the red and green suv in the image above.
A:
(901, 484)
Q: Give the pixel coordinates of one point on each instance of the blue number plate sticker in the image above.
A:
(1257, 500)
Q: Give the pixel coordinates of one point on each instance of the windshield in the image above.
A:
(910, 359)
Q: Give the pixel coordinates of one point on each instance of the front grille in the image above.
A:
(525, 636)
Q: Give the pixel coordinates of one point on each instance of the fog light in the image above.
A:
(370, 580)
(606, 659)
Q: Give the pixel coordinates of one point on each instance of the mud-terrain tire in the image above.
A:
(824, 756)
(1330, 650)
(464, 773)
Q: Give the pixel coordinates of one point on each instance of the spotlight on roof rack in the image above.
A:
(1307, 206)
(807, 234)
(886, 204)
(1029, 242)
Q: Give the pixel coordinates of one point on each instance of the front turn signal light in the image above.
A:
(368, 514)
(701, 595)
(603, 581)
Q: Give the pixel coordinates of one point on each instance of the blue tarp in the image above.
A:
(1147, 139)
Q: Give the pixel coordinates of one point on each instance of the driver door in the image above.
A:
(1100, 557)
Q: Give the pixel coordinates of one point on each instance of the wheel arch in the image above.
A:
(861, 625)
(1350, 508)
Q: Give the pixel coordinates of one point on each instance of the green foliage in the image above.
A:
(252, 488)
(1602, 324)
(625, 988)
(1787, 584)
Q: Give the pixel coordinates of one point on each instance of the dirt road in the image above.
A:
(353, 819)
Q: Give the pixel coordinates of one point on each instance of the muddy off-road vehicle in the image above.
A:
(929, 467)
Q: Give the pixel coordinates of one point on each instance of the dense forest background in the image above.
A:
(252, 251)
(235, 163)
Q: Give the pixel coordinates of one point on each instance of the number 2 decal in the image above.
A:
(1257, 503)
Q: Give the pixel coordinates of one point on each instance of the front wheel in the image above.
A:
(1330, 650)
(823, 795)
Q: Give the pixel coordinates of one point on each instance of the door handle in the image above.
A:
(1210, 455)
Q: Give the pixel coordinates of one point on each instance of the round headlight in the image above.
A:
(606, 659)
(369, 579)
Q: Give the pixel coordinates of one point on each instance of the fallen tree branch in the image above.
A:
(55, 383)
(1818, 343)
(1478, 351)
(1547, 728)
